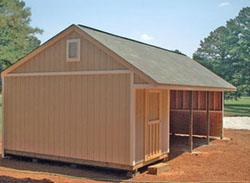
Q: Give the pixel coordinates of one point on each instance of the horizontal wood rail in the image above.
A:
(153, 122)
(68, 73)
(194, 110)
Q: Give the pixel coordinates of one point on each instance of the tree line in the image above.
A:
(226, 51)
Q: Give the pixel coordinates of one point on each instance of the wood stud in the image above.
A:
(208, 119)
(191, 123)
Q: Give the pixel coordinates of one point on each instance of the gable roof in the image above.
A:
(159, 65)
(163, 66)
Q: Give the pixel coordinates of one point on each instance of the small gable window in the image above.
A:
(73, 50)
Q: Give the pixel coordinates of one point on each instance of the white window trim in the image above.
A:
(77, 59)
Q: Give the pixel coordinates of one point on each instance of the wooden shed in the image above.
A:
(91, 97)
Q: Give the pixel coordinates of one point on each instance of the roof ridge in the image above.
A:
(98, 30)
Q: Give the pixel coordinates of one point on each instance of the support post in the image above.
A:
(3, 128)
(191, 123)
(222, 116)
(132, 120)
(208, 119)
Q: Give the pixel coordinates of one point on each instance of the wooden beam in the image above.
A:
(208, 119)
(3, 130)
(132, 119)
(191, 123)
(180, 87)
(168, 119)
(146, 152)
(158, 168)
(222, 116)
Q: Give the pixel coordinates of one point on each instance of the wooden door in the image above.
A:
(153, 120)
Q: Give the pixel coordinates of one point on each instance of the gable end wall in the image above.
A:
(53, 59)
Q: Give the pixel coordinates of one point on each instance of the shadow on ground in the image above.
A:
(180, 145)
(64, 169)
(7, 179)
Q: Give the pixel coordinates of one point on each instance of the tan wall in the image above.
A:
(85, 117)
(140, 120)
(54, 59)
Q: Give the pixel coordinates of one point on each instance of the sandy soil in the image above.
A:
(237, 122)
(223, 160)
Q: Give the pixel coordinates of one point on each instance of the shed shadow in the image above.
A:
(179, 144)
(8, 179)
(62, 169)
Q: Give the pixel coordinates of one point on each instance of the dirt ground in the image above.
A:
(223, 160)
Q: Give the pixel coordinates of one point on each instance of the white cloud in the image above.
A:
(146, 37)
(224, 4)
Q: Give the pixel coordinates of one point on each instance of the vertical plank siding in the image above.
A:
(180, 116)
(54, 59)
(69, 116)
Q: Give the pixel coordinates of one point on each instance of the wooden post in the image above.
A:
(191, 123)
(222, 116)
(208, 118)
(132, 120)
(3, 128)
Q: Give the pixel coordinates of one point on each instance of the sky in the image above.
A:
(171, 24)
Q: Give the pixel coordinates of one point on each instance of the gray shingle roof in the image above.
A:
(163, 66)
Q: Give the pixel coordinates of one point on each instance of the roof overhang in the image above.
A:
(182, 87)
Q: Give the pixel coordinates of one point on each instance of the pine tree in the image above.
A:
(17, 37)
(226, 51)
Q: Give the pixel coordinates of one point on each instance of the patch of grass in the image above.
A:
(239, 107)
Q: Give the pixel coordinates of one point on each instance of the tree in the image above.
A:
(179, 52)
(226, 52)
(17, 37)
(240, 53)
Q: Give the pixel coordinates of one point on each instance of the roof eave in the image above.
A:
(185, 87)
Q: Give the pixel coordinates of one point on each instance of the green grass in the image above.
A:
(239, 107)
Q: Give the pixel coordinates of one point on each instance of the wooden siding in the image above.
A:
(54, 58)
(83, 117)
(180, 113)
(140, 121)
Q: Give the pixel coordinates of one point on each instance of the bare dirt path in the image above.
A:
(223, 160)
